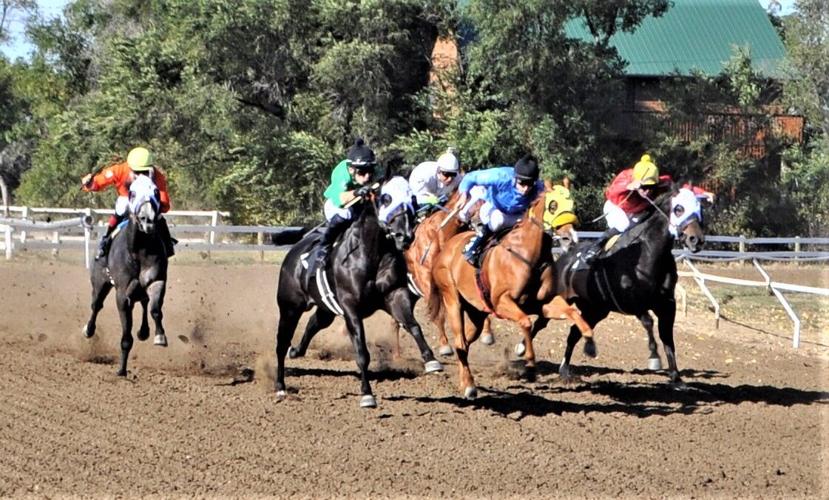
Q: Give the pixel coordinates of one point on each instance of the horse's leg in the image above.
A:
(288, 320)
(100, 289)
(399, 305)
(319, 320)
(539, 324)
(125, 311)
(363, 358)
(654, 363)
(444, 349)
(156, 292)
(666, 313)
(144, 329)
(558, 308)
(508, 309)
(591, 317)
(395, 350)
(454, 314)
(487, 338)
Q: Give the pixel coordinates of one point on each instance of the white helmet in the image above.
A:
(448, 162)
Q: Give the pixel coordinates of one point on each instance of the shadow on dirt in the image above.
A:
(548, 368)
(384, 375)
(640, 400)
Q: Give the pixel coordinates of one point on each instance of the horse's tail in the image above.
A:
(289, 235)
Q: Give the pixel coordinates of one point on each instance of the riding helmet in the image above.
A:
(646, 171)
(361, 156)
(140, 160)
(526, 168)
(448, 162)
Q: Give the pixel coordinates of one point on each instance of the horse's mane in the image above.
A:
(538, 199)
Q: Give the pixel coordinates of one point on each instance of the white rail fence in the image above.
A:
(81, 229)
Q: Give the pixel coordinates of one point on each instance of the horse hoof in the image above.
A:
(160, 340)
(654, 364)
(487, 339)
(143, 334)
(519, 350)
(293, 353)
(121, 373)
(433, 366)
(87, 332)
(281, 394)
(368, 401)
(470, 393)
(590, 349)
(445, 350)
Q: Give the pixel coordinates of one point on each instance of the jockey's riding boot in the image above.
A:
(333, 229)
(103, 245)
(166, 237)
(596, 248)
(476, 244)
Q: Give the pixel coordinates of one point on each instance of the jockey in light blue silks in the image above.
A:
(508, 193)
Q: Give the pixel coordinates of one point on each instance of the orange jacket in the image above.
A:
(120, 175)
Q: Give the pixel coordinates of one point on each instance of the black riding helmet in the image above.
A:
(526, 168)
(360, 156)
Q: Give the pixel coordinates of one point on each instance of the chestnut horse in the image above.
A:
(519, 273)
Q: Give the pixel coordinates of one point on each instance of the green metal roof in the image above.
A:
(696, 35)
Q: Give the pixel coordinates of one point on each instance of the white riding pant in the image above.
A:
(615, 217)
(121, 205)
(330, 211)
(497, 219)
(476, 194)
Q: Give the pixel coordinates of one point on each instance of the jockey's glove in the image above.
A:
(362, 191)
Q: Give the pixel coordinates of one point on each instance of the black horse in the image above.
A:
(366, 272)
(638, 274)
(137, 267)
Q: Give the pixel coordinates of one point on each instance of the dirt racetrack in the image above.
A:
(186, 422)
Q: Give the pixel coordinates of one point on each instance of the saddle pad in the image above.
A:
(611, 241)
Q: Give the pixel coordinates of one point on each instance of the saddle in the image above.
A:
(492, 241)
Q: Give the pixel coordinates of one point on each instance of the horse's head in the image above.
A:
(686, 220)
(396, 212)
(560, 215)
(144, 205)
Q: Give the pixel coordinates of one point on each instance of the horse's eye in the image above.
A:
(679, 210)
(552, 206)
(385, 200)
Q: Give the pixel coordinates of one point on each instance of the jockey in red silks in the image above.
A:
(139, 162)
(629, 195)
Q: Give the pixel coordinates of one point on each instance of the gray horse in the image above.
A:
(137, 267)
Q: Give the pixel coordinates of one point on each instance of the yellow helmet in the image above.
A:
(646, 171)
(140, 160)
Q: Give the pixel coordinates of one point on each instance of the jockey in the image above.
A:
(350, 179)
(139, 162)
(507, 191)
(433, 181)
(628, 196)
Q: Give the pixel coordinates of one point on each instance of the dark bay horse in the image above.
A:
(518, 272)
(137, 267)
(366, 272)
(637, 275)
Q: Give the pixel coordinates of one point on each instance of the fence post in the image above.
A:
(797, 249)
(214, 221)
(24, 215)
(260, 240)
(87, 233)
(9, 243)
(742, 248)
(56, 242)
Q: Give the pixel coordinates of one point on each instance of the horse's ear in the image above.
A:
(548, 184)
(387, 172)
(565, 182)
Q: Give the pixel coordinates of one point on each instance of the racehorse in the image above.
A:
(137, 267)
(516, 278)
(636, 275)
(366, 272)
